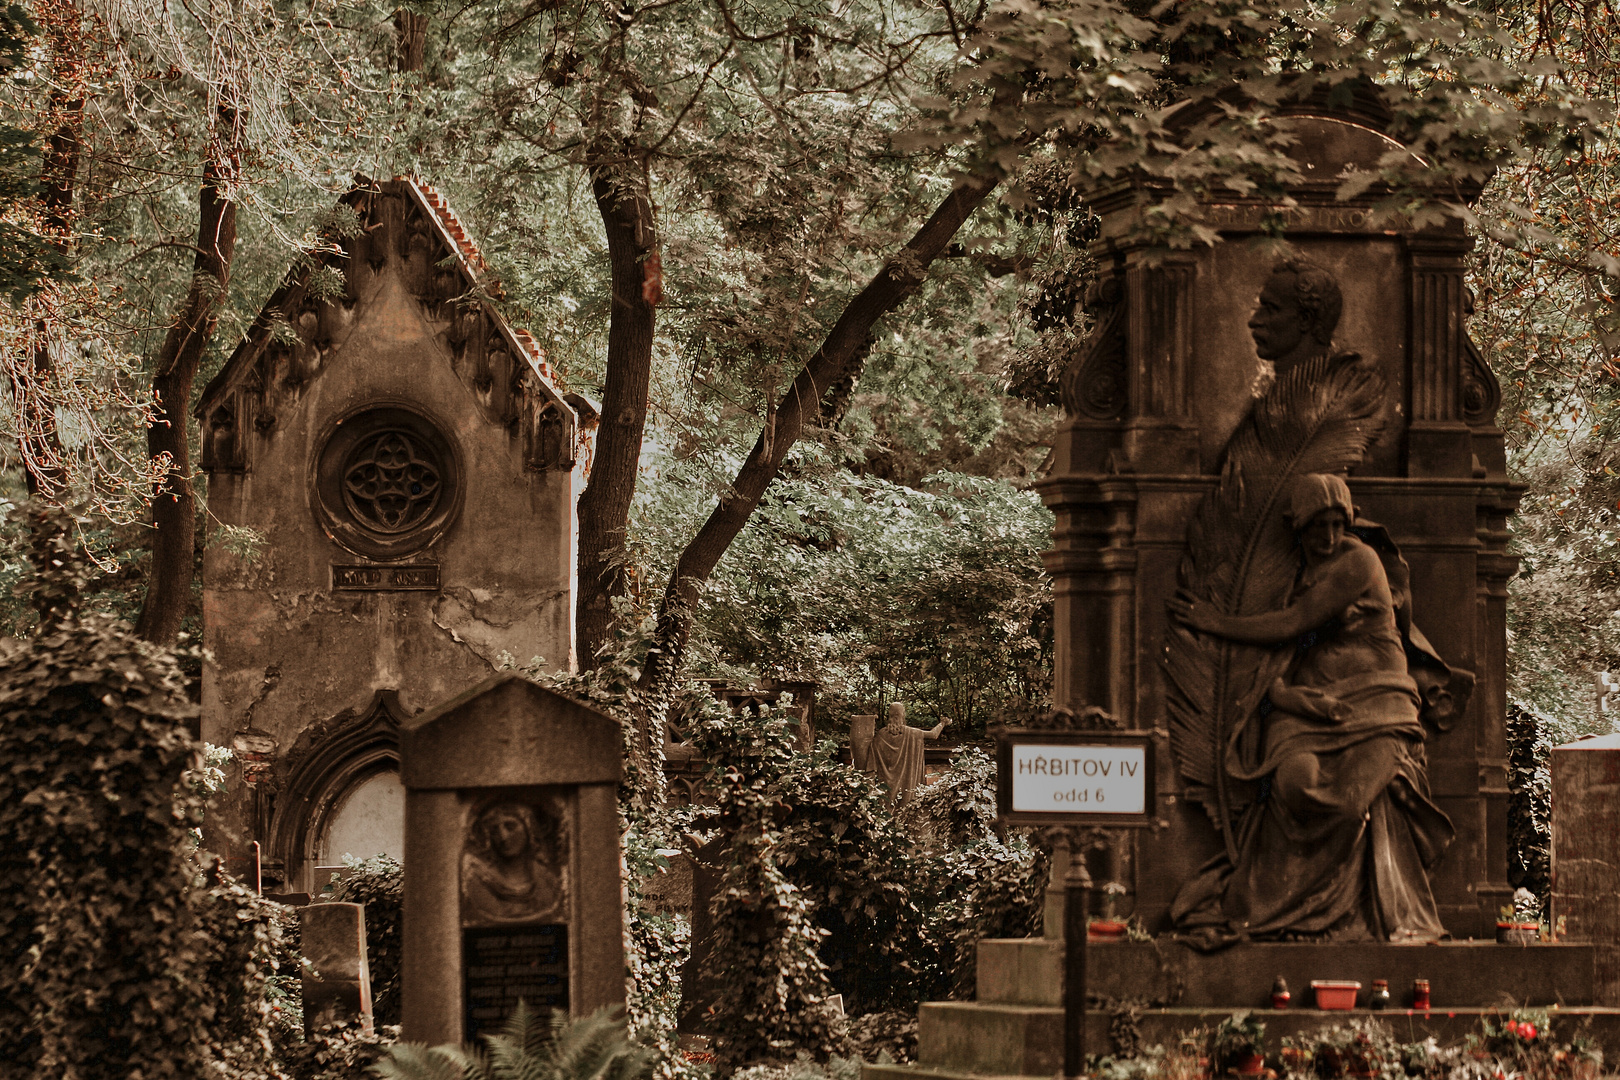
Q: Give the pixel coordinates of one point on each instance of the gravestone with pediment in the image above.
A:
(512, 876)
(1172, 472)
(392, 473)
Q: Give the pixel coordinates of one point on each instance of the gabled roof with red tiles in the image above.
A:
(477, 268)
(455, 238)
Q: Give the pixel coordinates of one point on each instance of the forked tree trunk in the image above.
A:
(836, 360)
(174, 505)
(604, 508)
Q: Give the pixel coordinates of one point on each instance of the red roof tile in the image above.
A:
(474, 261)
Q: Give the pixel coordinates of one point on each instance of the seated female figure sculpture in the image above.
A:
(1339, 844)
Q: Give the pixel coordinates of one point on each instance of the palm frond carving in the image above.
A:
(1319, 417)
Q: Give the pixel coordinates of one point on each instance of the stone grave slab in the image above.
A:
(336, 981)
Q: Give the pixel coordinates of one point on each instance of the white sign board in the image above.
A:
(1079, 779)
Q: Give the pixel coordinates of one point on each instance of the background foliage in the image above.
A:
(826, 891)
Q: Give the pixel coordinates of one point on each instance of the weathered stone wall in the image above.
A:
(294, 658)
(1586, 852)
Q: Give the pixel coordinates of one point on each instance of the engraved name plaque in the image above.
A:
(383, 578)
(503, 965)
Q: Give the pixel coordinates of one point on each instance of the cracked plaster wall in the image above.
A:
(506, 563)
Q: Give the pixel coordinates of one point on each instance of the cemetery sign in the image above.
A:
(1051, 777)
(1078, 771)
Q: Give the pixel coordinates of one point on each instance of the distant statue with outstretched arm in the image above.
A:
(897, 753)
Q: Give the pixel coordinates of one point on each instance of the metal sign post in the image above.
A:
(1078, 781)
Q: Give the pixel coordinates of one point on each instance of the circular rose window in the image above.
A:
(386, 482)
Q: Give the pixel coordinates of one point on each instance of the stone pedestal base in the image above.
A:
(1015, 1028)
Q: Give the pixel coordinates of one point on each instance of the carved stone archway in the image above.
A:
(328, 762)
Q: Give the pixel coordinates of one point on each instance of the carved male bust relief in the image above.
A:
(1296, 314)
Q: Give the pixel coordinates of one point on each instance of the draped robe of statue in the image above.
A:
(1344, 854)
(896, 756)
(1339, 844)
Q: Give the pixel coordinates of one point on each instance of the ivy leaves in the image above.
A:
(114, 962)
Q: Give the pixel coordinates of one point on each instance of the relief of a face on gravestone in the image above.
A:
(1295, 315)
(514, 862)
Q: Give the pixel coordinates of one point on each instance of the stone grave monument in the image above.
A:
(336, 978)
(511, 886)
(402, 471)
(1586, 851)
(1281, 547)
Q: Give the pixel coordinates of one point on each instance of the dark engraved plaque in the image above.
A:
(381, 578)
(502, 965)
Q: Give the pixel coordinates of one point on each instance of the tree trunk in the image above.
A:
(834, 361)
(39, 442)
(411, 37)
(604, 508)
(174, 504)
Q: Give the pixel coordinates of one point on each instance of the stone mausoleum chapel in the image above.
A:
(411, 469)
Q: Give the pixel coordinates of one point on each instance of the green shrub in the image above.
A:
(842, 849)
(340, 1051)
(805, 1067)
(773, 985)
(989, 890)
(958, 808)
(897, 925)
(115, 962)
(239, 934)
(657, 943)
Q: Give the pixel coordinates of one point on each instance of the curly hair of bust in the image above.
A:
(1317, 294)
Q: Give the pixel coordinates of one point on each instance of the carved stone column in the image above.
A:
(1439, 442)
(1495, 568)
(1093, 568)
(1161, 436)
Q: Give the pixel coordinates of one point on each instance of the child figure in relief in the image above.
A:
(513, 867)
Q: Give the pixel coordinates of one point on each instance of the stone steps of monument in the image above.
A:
(1028, 971)
(962, 1039)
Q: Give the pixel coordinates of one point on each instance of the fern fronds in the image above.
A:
(532, 1045)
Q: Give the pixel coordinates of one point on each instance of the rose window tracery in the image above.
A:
(387, 482)
(390, 484)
